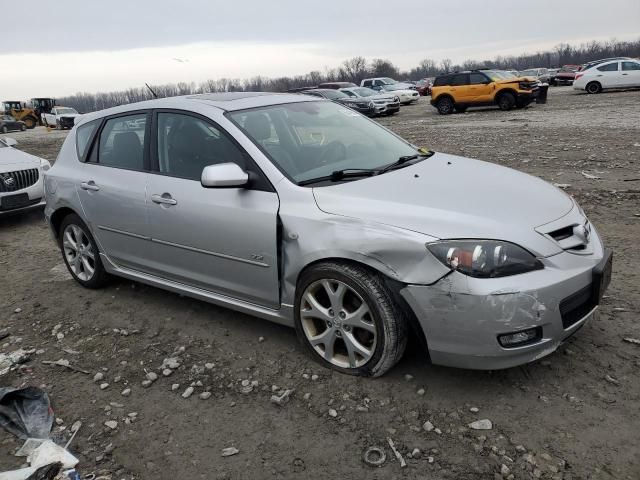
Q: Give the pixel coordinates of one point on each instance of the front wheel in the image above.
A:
(4, 129)
(506, 101)
(347, 320)
(80, 253)
(30, 122)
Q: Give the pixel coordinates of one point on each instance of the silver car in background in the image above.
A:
(301, 211)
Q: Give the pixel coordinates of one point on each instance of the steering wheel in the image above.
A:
(333, 151)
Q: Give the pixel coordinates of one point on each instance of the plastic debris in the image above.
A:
(632, 340)
(25, 412)
(229, 451)
(374, 457)
(17, 357)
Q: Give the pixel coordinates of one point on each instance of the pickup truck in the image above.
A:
(60, 117)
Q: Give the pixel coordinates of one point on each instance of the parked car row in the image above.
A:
(362, 99)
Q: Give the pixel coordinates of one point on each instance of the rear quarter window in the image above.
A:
(84, 136)
(441, 81)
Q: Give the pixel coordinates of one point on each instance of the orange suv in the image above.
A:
(460, 90)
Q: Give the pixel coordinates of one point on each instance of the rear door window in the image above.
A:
(460, 79)
(122, 142)
(611, 67)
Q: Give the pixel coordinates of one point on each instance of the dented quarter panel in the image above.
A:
(310, 235)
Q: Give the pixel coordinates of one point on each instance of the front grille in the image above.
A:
(18, 180)
(575, 307)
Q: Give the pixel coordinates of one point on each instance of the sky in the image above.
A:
(55, 48)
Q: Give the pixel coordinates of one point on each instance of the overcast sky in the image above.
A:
(59, 47)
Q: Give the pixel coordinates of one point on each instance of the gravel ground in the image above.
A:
(574, 415)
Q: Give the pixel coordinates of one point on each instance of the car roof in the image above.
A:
(228, 102)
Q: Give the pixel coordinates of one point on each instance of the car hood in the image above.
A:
(383, 96)
(12, 159)
(446, 196)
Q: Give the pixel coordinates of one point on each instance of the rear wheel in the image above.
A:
(30, 122)
(347, 319)
(445, 106)
(80, 253)
(506, 101)
(593, 87)
(4, 129)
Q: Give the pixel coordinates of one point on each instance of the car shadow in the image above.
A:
(22, 218)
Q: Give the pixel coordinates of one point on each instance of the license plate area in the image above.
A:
(14, 201)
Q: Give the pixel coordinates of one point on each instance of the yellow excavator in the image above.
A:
(21, 112)
(31, 116)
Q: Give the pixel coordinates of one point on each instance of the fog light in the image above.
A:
(519, 339)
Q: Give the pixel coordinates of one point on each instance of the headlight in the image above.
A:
(396, 99)
(484, 258)
(45, 165)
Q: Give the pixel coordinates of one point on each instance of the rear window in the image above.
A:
(84, 135)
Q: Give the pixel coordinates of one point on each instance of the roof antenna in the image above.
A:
(155, 95)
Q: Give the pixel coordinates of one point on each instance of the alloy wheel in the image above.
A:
(79, 252)
(338, 323)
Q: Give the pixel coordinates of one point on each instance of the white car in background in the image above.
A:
(613, 74)
(61, 117)
(406, 96)
(21, 178)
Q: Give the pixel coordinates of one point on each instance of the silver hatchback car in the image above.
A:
(306, 213)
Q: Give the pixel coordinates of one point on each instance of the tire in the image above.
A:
(506, 101)
(30, 122)
(460, 109)
(593, 87)
(23, 127)
(72, 225)
(58, 126)
(445, 106)
(5, 129)
(368, 347)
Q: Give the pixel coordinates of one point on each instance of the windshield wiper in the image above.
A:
(404, 159)
(338, 175)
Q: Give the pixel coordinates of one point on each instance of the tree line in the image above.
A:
(354, 70)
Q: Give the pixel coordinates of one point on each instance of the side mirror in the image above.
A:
(10, 141)
(224, 175)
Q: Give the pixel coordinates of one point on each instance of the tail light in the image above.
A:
(578, 75)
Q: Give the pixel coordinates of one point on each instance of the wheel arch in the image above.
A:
(58, 216)
(503, 91)
(389, 277)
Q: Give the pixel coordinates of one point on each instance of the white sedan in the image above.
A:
(606, 75)
(406, 96)
(21, 178)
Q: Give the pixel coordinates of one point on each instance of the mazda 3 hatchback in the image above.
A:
(304, 212)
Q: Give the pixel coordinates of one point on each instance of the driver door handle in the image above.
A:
(90, 185)
(164, 199)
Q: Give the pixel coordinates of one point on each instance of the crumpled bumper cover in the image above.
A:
(462, 317)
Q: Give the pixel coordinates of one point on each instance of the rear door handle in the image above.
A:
(164, 199)
(90, 185)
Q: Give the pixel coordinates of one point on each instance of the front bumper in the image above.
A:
(27, 198)
(462, 317)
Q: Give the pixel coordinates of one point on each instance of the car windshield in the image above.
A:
(335, 94)
(388, 81)
(67, 110)
(568, 69)
(363, 91)
(498, 75)
(311, 140)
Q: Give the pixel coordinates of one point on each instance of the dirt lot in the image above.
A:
(574, 415)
